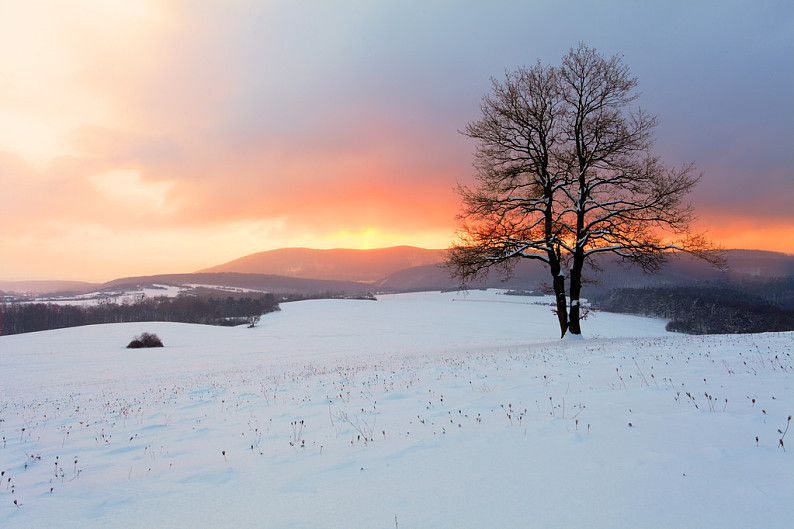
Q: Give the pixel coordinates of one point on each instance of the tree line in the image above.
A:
(18, 318)
(703, 309)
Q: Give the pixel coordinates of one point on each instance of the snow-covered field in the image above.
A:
(120, 296)
(415, 411)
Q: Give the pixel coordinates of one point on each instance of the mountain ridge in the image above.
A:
(340, 264)
(410, 268)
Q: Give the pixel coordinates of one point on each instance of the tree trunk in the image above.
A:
(574, 314)
(562, 308)
(559, 292)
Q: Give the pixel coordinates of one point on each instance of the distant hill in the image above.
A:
(743, 265)
(45, 287)
(338, 264)
(308, 272)
(406, 268)
(261, 282)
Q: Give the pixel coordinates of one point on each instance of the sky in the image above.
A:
(165, 136)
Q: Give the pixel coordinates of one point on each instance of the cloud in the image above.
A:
(266, 124)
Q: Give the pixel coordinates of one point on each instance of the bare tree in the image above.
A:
(565, 171)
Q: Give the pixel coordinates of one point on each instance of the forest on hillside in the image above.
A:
(749, 306)
(18, 318)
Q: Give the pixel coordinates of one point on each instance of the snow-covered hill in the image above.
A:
(418, 410)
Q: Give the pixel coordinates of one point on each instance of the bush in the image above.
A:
(145, 340)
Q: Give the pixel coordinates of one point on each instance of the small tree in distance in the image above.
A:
(565, 171)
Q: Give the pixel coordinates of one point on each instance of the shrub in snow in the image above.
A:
(145, 340)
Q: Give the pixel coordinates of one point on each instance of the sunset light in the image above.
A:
(161, 137)
(396, 263)
(369, 238)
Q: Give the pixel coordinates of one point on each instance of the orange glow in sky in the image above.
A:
(161, 137)
(749, 234)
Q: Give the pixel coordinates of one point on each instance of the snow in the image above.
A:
(120, 296)
(224, 288)
(417, 410)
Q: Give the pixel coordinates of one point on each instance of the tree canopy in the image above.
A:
(565, 170)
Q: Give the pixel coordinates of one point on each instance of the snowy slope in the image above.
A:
(418, 410)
